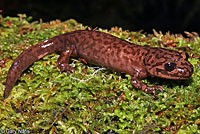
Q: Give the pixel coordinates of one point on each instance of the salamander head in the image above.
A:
(168, 64)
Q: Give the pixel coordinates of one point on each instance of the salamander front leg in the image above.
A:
(63, 60)
(144, 87)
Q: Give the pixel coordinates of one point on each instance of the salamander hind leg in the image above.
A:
(63, 60)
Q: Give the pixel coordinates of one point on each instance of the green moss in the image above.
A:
(93, 99)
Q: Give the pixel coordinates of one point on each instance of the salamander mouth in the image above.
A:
(181, 75)
(174, 77)
(181, 78)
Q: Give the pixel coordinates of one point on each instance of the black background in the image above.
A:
(175, 16)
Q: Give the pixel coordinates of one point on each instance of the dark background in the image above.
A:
(175, 16)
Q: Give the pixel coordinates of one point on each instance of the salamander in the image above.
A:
(106, 50)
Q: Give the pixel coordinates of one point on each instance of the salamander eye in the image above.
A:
(170, 66)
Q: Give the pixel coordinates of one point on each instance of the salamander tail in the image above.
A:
(28, 57)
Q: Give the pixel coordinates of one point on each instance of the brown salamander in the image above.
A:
(109, 51)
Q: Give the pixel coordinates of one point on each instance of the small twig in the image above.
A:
(80, 81)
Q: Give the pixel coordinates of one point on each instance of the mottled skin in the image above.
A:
(106, 50)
